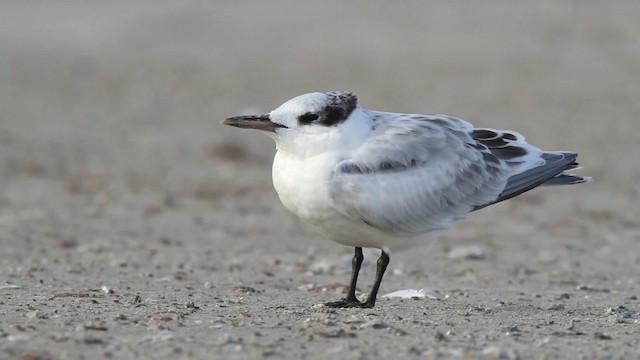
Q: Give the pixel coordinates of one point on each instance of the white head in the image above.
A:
(304, 123)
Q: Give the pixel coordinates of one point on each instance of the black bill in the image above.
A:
(258, 122)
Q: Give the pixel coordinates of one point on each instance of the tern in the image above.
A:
(373, 179)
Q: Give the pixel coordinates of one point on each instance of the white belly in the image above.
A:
(303, 188)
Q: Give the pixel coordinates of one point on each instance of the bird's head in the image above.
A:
(304, 120)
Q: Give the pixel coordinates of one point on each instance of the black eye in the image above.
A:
(308, 118)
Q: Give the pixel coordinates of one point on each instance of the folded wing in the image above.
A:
(419, 173)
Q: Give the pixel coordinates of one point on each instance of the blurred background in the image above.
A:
(114, 168)
(106, 101)
(150, 80)
(113, 108)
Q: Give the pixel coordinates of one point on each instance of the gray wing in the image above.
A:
(550, 173)
(419, 173)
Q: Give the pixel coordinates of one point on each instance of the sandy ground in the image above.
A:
(133, 225)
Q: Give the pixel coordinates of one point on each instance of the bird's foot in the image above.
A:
(348, 303)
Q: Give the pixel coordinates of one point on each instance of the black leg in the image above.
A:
(351, 300)
(383, 261)
(356, 263)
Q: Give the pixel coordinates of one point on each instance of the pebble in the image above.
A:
(494, 352)
(602, 336)
(468, 252)
(375, 324)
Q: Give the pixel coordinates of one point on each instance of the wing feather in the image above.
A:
(549, 173)
(421, 172)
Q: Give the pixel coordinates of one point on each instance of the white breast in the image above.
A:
(302, 186)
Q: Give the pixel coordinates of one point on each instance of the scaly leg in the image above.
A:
(351, 300)
(383, 261)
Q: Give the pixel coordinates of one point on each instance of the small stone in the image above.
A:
(513, 331)
(354, 320)
(226, 339)
(375, 324)
(191, 305)
(244, 289)
(602, 336)
(94, 327)
(494, 352)
(339, 333)
(626, 315)
(469, 252)
(10, 287)
(34, 314)
(592, 288)
(307, 287)
(440, 336)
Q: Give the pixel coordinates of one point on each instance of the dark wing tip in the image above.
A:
(567, 179)
(550, 173)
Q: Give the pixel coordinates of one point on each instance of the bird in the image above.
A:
(372, 179)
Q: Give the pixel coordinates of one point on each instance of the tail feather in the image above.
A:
(566, 179)
(552, 172)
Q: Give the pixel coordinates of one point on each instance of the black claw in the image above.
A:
(344, 303)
